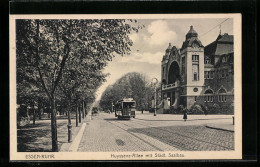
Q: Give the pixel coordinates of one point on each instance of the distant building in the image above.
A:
(195, 74)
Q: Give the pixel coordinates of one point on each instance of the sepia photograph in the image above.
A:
(125, 87)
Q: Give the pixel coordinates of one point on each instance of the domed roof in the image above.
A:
(191, 38)
(191, 33)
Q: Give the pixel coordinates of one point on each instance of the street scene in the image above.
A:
(164, 133)
(125, 85)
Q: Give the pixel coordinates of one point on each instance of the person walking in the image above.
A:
(185, 117)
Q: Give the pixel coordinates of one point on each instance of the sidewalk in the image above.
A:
(37, 138)
(77, 133)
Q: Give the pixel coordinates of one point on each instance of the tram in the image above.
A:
(125, 108)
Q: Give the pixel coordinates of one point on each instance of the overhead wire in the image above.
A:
(213, 28)
(199, 36)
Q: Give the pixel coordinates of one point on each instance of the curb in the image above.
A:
(67, 147)
(75, 143)
(219, 128)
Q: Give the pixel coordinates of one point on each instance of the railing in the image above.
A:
(169, 86)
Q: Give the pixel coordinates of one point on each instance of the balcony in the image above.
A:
(170, 86)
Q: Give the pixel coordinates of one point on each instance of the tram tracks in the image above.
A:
(177, 144)
(131, 133)
(191, 137)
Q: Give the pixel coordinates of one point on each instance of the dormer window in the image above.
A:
(207, 61)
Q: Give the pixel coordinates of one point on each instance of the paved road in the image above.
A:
(161, 133)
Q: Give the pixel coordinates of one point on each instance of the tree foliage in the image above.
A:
(133, 85)
(67, 54)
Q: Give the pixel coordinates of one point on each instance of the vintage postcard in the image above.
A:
(125, 87)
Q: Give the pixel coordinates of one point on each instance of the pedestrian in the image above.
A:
(142, 111)
(185, 114)
(206, 112)
(205, 109)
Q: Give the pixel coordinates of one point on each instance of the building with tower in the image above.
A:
(195, 74)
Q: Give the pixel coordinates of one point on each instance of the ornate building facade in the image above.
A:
(195, 74)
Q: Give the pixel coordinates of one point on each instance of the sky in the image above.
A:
(150, 43)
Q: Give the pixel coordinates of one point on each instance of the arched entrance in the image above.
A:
(174, 73)
(174, 77)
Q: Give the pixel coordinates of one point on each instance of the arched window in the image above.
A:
(222, 91)
(208, 96)
(222, 97)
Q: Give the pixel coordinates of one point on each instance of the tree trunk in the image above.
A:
(54, 126)
(40, 112)
(79, 113)
(86, 108)
(33, 115)
(83, 110)
(77, 123)
(69, 108)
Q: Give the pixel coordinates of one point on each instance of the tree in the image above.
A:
(45, 46)
(133, 85)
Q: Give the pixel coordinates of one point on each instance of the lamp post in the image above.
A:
(154, 81)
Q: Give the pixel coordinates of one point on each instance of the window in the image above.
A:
(195, 71)
(195, 57)
(212, 74)
(208, 74)
(208, 96)
(222, 95)
(224, 59)
(195, 98)
(222, 98)
(195, 76)
(207, 61)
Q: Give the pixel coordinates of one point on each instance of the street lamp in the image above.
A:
(154, 81)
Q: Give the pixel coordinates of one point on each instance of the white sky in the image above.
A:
(149, 45)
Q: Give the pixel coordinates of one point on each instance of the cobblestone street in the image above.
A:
(163, 132)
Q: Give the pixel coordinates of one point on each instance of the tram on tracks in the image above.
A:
(125, 108)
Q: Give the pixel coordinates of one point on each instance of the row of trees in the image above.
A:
(62, 60)
(134, 85)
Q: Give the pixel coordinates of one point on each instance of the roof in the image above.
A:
(226, 38)
(170, 50)
(190, 41)
(191, 37)
(229, 61)
(191, 33)
(222, 45)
